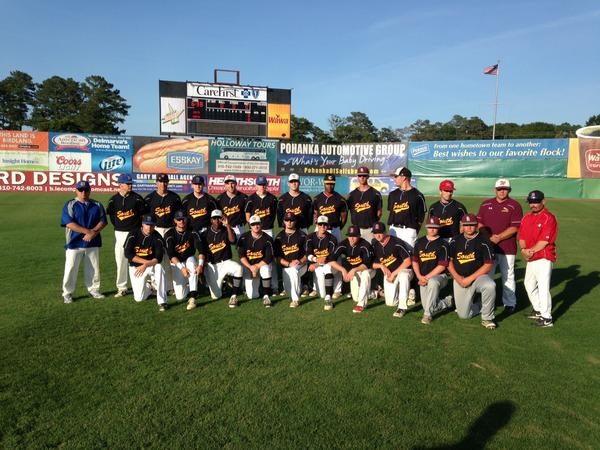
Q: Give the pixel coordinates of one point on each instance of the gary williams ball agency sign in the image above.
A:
(79, 152)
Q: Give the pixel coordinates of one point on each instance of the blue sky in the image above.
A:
(395, 61)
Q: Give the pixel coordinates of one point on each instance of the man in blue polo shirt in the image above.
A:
(83, 219)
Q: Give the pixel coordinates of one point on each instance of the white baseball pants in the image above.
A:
(537, 285)
(142, 289)
(120, 260)
(396, 292)
(251, 284)
(182, 285)
(291, 280)
(408, 235)
(215, 273)
(507, 270)
(360, 286)
(91, 269)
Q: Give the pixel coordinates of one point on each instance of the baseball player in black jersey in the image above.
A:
(365, 204)
(124, 210)
(448, 210)
(290, 253)
(144, 248)
(214, 259)
(392, 257)
(320, 249)
(233, 204)
(358, 258)
(162, 204)
(180, 244)
(296, 202)
(331, 204)
(198, 205)
(407, 208)
(255, 249)
(429, 262)
(471, 260)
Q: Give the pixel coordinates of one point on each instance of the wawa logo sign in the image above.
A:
(592, 160)
(71, 142)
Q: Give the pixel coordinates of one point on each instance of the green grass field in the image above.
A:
(115, 374)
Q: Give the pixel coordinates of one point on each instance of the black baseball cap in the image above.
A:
(180, 215)
(535, 197)
(378, 227)
(353, 231)
(198, 179)
(163, 178)
(148, 219)
(329, 179)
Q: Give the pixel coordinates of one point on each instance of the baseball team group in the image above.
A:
(165, 245)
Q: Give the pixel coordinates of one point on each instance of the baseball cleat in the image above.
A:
(426, 320)
(358, 309)
(447, 301)
(294, 304)
(233, 301)
(67, 299)
(121, 293)
(543, 323)
(328, 303)
(336, 295)
(191, 304)
(266, 301)
(510, 309)
(534, 315)
(283, 293)
(399, 313)
(412, 295)
(96, 294)
(313, 293)
(488, 324)
(304, 293)
(163, 307)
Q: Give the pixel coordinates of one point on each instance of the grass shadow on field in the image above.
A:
(494, 418)
(576, 287)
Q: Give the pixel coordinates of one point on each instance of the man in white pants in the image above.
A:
(180, 245)
(214, 259)
(537, 239)
(144, 248)
(320, 247)
(83, 219)
(392, 257)
(290, 253)
(124, 210)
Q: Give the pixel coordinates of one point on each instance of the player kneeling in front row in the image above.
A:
(290, 252)
(144, 249)
(392, 257)
(181, 249)
(471, 260)
(430, 260)
(358, 254)
(214, 247)
(320, 247)
(255, 249)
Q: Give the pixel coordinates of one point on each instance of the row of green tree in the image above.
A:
(95, 106)
(61, 104)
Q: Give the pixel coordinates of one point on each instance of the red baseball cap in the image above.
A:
(432, 222)
(447, 185)
(363, 171)
(469, 219)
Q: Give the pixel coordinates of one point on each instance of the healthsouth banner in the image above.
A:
(340, 159)
(23, 150)
(252, 156)
(245, 183)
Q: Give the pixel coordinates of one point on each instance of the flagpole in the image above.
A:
(496, 103)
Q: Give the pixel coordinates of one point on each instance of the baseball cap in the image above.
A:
(378, 227)
(329, 179)
(289, 216)
(163, 178)
(148, 219)
(261, 180)
(294, 177)
(125, 178)
(254, 219)
(447, 185)
(353, 231)
(229, 178)
(402, 172)
(83, 185)
(502, 183)
(216, 213)
(469, 219)
(323, 219)
(198, 179)
(535, 197)
(180, 215)
(363, 170)
(433, 222)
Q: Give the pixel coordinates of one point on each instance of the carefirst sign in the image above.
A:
(227, 92)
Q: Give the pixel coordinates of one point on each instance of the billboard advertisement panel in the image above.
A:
(23, 150)
(172, 115)
(42, 181)
(253, 156)
(279, 120)
(179, 155)
(245, 184)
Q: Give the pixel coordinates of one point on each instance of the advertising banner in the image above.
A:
(279, 121)
(313, 185)
(23, 150)
(24, 140)
(227, 91)
(40, 181)
(180, 155)
(253, 156)
(245, 184)
(146, 182)
(172, 115)
(340, 159)
(589, 151)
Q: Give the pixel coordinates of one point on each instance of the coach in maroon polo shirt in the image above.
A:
(501, 217)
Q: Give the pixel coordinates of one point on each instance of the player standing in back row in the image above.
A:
(448, 211)
(365, 205)
(331, 204)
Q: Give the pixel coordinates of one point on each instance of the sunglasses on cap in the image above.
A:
(83, 189)
(322, 224)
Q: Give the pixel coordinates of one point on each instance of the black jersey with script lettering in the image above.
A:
(233, 207)
(125, 213)
(468, 255)
(430, 254)
(361, 253)
(198, 210)
(143, 246)
(264, 207)
(290, 246)
(301, 206)
(363, 206)
(180, 244)
(391, 254)
(163, 207)
(331, 206)
(321, 246)
(449, 214)
(213, 245)
(407, 208)
(255, 249)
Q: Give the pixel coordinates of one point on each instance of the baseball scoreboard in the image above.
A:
(221, 109)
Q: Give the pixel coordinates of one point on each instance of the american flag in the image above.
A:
(491, 70)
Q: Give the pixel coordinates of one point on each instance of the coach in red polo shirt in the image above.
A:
(501, 217)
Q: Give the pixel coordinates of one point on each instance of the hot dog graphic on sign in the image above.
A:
(180, 155)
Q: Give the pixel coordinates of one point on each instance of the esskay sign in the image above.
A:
(42, 181)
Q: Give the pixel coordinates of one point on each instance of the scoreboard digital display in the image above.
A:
(211, 109)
